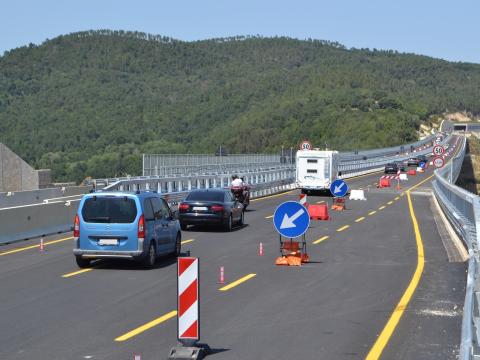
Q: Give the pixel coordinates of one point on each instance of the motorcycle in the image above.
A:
(242, 194)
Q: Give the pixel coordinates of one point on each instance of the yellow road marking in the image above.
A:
(372, 212)
(34, 246)
(187, 241)
(381, 207)
(272, 196)
(343, 228)
(320, 202)
(389, 328)
(237, 282)
(390, 203)
(147, 326)
(320, 240)
(398, 197)
(269, 217)
(360, 219)
(77, 272)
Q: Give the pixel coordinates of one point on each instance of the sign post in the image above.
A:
(438, 150)
(188, 314)
(438, 162)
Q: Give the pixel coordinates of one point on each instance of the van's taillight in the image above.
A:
(141, 227)
(217, 208)
(183, 207)
(76, 227)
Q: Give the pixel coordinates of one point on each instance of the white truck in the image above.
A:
(316, 169)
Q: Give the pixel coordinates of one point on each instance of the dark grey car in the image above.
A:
(210, 207)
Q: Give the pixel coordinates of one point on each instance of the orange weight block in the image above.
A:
(318, 212)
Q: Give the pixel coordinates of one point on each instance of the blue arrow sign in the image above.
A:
(422, 164)
(339, 188)
(291, 219)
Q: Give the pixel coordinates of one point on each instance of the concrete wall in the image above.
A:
(15, 174)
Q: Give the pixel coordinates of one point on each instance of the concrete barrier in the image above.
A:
(11, 199)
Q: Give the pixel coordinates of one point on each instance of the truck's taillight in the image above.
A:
(141, 227)
(217, 208)
(183, 207)
(76, 227)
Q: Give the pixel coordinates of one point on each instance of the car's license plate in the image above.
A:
(200, 208)
(107, 242)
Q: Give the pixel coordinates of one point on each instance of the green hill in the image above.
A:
(90, 103)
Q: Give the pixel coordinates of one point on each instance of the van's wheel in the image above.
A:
(228, 226)
(82, 263)
(151, 258)
(178, 246)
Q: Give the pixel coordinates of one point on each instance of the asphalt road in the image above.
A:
(335, 307)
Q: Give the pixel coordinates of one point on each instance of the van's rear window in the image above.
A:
(102, 209)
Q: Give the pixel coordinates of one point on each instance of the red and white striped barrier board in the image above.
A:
(303, 199)
(188, 302)
(390, 177)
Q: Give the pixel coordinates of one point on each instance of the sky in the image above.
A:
(439, 28)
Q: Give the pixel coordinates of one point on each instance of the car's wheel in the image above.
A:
(151, 258)
(178, 246)
(228, 224)
(183, 226)
(242, 219)
(82, 263)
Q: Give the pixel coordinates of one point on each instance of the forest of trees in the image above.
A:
(90, 103)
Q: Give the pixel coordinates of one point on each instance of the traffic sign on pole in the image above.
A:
(438, 162)
(305, 145)
(438, 150)
(339, 188)
(291, 219)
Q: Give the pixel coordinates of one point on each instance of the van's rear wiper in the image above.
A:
(101, 219)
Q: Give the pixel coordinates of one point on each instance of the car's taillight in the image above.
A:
(76, 227)
(183, 207)
(217, 208)
(141, 227)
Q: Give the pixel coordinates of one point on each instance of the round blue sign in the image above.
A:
(339, 188)
(291, 219)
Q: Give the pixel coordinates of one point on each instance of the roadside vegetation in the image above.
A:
(469, 178)
(90, 103)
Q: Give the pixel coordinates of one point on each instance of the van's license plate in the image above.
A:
(107, 242)
(200, 208)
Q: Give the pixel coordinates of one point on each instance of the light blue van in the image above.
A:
(138, 226)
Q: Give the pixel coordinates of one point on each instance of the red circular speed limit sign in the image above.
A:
(305, 145)
(438, 150)
(438, 162)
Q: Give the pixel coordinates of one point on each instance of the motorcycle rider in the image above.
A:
(236, 181)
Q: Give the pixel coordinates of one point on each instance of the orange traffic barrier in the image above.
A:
(318, 212)
(338, 204)
(281, 260)
(290, 245)
(384, 183)
(412, 172)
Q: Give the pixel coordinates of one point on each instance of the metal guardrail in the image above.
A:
(462, 208)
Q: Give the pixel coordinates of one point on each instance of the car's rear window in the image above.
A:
(205, 196)
(104, 209)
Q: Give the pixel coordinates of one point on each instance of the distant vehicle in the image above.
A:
(413, 161)
(211, 207)
(400, 165)
(422, 158)
(242, 194)
(138, 226)
(391, 168)
(316, 169)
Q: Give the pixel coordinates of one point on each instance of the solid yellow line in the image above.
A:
(343, 228)
(77, 272)
(34, 246)
(390, 203)
(320, 240)
(381, 207)
(237, 282)
(187, 241)
(389, 328)
(147, 326)
(360, 219)
(269, 217)
(272, 196)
